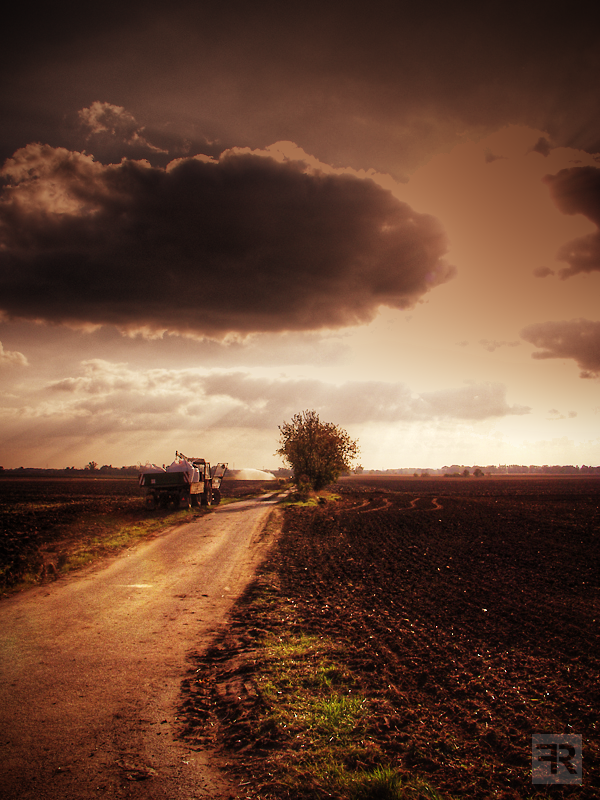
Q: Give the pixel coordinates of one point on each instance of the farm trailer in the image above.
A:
(187, 481)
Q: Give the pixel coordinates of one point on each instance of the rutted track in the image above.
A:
(420, 503)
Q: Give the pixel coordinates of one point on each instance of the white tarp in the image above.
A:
(185, 466)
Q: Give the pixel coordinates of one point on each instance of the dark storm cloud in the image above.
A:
(578, 339)
(542, 146)
(577, 191)
(244, 245)
(380, 84)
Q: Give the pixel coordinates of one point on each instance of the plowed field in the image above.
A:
(467, 609)
(44, 520)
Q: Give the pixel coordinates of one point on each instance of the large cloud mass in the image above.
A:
(240, 245)
(577, 191)
(578, 339)
(383, 84)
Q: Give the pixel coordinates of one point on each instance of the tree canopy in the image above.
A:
(317, 452)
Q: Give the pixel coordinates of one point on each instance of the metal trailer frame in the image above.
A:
(164, 489)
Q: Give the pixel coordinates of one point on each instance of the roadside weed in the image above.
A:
(312, 722)
(384, 783)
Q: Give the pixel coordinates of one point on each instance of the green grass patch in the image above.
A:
(307, 499)
(59, 538)
(92, 537)
(383, 783)
(312, 722)
(52, 527)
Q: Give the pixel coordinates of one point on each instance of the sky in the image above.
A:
(212, 219)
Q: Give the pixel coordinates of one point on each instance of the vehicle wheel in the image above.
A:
(194, 500)
(151, 502)
(216, 497)
(207, 498)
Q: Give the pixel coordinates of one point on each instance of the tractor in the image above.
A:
(186, 482)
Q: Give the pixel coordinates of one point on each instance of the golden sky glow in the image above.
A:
(210, 221)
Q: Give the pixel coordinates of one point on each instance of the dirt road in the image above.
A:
(91, 667)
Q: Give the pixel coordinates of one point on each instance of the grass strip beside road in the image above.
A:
(71, 545)
(51, 528)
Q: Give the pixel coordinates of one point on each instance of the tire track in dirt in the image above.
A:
(436, 506)
(360, 508)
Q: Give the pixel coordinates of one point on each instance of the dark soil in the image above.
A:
(43, 521)
(467, 610)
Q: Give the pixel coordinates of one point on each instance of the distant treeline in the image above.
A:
(71, 472)
(456, 470)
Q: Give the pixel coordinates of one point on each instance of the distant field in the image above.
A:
(511, 484)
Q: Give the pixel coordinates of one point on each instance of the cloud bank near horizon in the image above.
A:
(114, 395)
(246, 244)
(103, 407)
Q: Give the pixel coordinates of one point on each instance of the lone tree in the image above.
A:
(318, 452)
